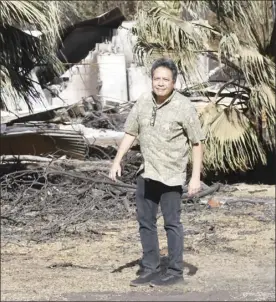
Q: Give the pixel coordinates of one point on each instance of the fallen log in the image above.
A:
(24, 158)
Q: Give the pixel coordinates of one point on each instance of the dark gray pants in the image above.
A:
(148, 196)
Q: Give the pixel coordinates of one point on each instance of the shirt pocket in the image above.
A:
(170, 130)
(144, 122)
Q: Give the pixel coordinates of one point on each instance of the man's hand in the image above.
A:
(126, 143)
(194, 186)
(114, 171)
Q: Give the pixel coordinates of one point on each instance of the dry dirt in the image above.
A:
(232, 247)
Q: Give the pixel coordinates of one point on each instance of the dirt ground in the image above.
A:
(232, 246)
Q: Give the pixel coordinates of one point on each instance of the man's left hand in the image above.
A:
(194, 186)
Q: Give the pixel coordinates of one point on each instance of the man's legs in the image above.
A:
(147, 200)
(171, 209)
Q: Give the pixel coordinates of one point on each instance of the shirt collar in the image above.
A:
(165, 102)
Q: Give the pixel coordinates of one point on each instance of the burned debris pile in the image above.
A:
(40, 202)
(54, 171)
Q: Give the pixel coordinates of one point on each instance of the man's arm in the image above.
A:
(125, 145)
(131, 132)
(196, 137)
(197, 156)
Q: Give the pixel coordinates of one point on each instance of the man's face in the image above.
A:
(162, 81)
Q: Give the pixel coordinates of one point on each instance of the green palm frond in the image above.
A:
(172, 7)
(21, 52)
(44, 15)
(162, 33)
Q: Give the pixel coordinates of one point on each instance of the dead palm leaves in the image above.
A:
(231, 139)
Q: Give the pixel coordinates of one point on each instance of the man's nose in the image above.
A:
(160, 83)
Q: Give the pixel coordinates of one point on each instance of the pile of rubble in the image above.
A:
(43, 200)
(69, 131)
(54, 167)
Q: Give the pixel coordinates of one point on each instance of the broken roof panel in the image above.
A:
(41, 139)
(78, 39)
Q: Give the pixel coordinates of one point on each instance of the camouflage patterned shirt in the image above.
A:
(164, 132)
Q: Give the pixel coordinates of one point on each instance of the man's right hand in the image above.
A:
(115, 171)
(126, 143)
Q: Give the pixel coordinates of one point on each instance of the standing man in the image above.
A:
(164, 121)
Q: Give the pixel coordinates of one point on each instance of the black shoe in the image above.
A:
(166, 279)
(144, 278)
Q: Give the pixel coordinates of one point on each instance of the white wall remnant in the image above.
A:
(138, 81)
(113, 78)
(82, 81)
(124, 41)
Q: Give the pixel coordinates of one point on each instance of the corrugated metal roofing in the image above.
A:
(42, 139)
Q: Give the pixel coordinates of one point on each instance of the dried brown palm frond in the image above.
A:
(255, 67)
(262, 106)
(231, 140)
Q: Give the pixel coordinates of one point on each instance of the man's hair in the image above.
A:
(167, 63)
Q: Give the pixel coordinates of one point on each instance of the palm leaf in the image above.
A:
(232, 143)
(45, 15)
(162, 33)
(255, 67)
(21, 52)
(262, 106)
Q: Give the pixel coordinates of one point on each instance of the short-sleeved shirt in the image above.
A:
(164, 132)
